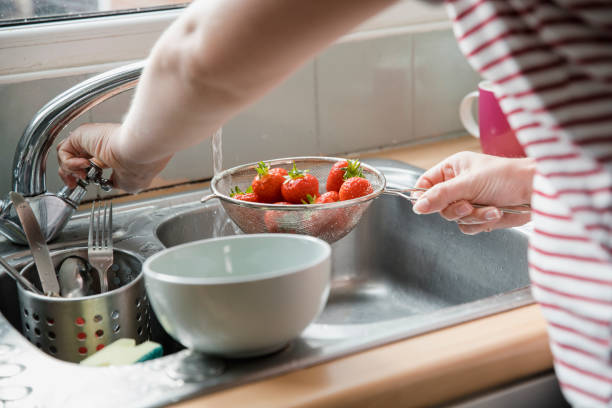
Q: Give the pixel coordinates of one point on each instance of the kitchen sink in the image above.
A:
(395, 276)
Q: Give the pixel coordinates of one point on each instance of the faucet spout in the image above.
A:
(29, 163)
(31, 155)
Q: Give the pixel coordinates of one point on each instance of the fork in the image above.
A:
(100, 242)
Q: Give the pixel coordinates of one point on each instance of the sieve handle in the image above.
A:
(208, 197)
(522, 208)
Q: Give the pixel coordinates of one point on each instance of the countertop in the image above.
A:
(429, 369)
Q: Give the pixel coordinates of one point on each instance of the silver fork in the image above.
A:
(100, 242)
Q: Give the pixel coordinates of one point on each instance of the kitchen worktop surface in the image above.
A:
(432, 368)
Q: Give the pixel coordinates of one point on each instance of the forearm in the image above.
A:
(220, 56)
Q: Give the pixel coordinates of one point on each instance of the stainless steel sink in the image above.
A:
(396, 275)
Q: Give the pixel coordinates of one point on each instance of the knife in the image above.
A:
(38, 245)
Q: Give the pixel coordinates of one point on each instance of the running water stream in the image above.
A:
(221, 220)
(217, 142)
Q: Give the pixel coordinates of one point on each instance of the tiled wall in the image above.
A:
(355, 96)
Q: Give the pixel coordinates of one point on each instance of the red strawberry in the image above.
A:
(355, 187)
(329, 197)
(248, 195)
(279, 170)
(267, 183)
(310, 199)
(327, 223)
(298, 185)
(342, 171)
(277, 220)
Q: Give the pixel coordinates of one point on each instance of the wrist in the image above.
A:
(117, 147)
(130, 149)
(526, 169)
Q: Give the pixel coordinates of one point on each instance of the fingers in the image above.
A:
(457, 210)
(67, 178)
(441, 195)
(481, 216)
(506, 221)
(75, 166)
(464, 213)
(87, 142)
(475, 220)
(447, 169)
(473, 229)
(440, 172)
(99, 142)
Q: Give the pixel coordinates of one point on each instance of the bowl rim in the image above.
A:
(148, 272)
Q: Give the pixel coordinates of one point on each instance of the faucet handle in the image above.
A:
(94, 175)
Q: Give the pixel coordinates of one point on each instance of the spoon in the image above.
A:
(75, 278)
(19, 278)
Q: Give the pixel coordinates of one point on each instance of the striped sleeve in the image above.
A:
(552, 62)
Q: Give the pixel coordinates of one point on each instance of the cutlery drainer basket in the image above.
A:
(71, 329)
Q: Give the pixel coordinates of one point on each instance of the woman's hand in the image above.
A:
(467, 177)
(100, 142)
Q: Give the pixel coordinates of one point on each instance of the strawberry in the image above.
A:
(355, 187)
(277, 220)
(329, 197)
(328, 222)
(267, 183)
(310, 199)
(248, 195)
(342, 171)
(298, 185)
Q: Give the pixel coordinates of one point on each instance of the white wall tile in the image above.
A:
(364, 94)
(442, 77)
(282, 124)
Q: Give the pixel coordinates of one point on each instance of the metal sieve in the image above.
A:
(329, 222)
(73, 328)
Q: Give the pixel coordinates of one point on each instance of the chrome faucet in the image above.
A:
(54, 210)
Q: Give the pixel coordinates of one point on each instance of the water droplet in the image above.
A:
(148, 247)
(10, 369)
(6, 348)
(14, 392)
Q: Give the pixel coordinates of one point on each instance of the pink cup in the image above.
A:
(493, 130)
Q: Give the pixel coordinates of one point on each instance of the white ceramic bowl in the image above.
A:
(241, 295)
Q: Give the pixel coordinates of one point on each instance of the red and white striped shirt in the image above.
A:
(552, 62)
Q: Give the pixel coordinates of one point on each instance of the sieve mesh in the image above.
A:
(329, 222)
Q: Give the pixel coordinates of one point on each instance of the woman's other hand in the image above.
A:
(468, 177)
(99, 142)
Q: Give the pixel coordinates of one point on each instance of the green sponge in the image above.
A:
(123, 352)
